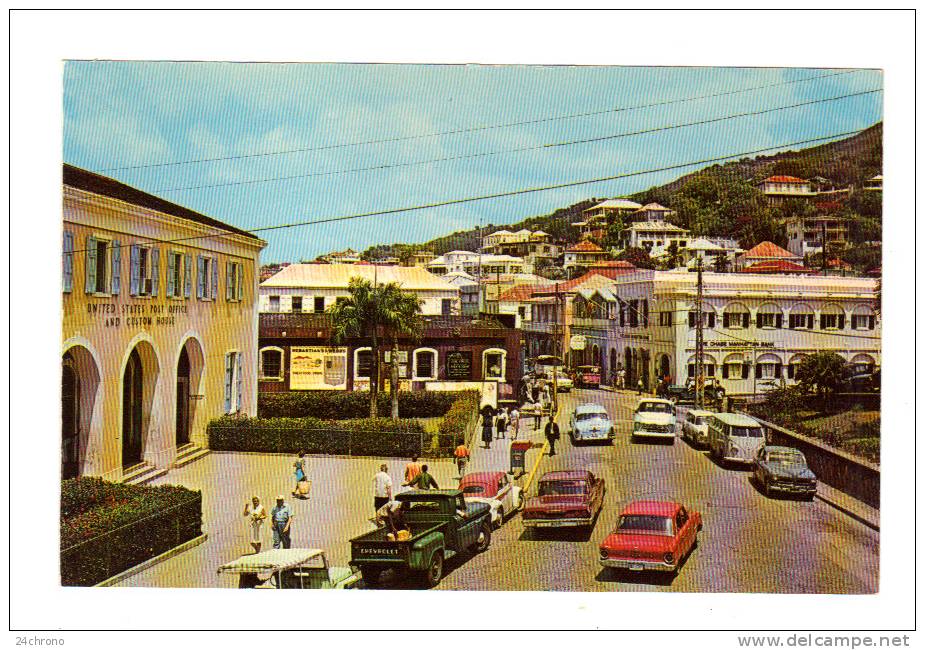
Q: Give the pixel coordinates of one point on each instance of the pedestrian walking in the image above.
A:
(412, 469)
(501, 423)
(461, 454)
(621, 378)
(382, 487)
(639, 386)
(281, 520)
(301, 477)
(424, 481)
(256, 514)
(537, 416)
(487, 421)
(552, 435)
(535, 391)
(515, 423)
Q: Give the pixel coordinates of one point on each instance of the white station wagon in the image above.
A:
(654, 418)
(695, 428)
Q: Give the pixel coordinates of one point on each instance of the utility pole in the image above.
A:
(825, 257)
(698, 355)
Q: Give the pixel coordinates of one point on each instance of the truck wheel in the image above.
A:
(371, 575)
(434, 572)
(484, 540)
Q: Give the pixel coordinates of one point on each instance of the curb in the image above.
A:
(536, 466)
(147, 564)
(854, 515)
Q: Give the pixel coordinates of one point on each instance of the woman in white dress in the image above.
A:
(256, 514)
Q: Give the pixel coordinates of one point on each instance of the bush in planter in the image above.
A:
(379, 437)
(343, 405)
(455, 423)
(107, 528)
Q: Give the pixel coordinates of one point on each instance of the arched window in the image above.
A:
(801, 317)
(709, 366)
(734, 366)
(770, 316)
(271, 363)
(425, 364)
(768, 366)
(709, 317)
(736, 316)
(863, 363)
(862, 318)
(795, 362)
(832, 317)
(493, 364)
(362, 363)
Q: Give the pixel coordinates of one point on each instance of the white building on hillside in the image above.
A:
(476, 264)
(648, 234)
(780, 188)
(314, 288)
(757, 328)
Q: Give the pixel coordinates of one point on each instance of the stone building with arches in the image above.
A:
(159, 329)
(757, 328)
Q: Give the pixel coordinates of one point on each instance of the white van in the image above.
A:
(735, 437)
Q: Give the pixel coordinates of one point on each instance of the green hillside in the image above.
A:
(723, 200)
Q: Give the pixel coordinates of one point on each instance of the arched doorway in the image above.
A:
(613, 364)
(132, 410)
(630, 368)
(644, 368)
(664, 367)
(70, 419)
(183, 401)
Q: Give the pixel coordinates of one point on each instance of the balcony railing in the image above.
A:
(319, 325)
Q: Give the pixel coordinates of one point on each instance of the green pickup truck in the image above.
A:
(442, 523)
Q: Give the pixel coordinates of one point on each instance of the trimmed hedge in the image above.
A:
(343, 405)
(107, 528)
(379, 437)
(456, 422)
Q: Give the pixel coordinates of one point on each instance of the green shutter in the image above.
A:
(116, 288)
(90, 268)
(187, 275)
(67, 262)
(155, 270)
(229, 276)
(171, 269)
(240, 283)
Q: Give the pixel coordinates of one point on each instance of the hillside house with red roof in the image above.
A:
(778, 189)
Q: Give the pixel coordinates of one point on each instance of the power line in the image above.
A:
(484, 197)
(472, 129)
(483, 154)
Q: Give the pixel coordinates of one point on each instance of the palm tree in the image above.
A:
(400, 313)
(356, 316)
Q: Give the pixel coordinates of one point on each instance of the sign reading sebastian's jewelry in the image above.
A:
(317, 368)
(459, 364)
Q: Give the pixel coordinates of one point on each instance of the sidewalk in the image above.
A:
(858, 510)
(498, 457)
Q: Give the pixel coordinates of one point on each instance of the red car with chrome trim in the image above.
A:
(651, 536)
(567, 498)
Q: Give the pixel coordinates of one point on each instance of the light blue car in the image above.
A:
(591, 422)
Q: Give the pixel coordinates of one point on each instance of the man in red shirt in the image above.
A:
(462, 458)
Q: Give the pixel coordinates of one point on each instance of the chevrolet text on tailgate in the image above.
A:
(440, 523)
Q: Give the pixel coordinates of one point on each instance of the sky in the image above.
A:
(124, 114)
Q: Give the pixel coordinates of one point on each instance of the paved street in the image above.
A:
(749, 543)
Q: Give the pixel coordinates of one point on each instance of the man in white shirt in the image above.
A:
(382, 487)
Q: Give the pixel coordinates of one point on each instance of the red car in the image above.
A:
(651, 536)
(588, 376)
(567, 498)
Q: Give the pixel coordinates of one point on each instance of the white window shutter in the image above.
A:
(240, 283)
(155, 270)
(214, 294)
(200, 277)
(171, 269)
(187, 275)
(67, 262)
(229, 275)
(135, 279)
(229, 369)
(240, 377)
(116, 288)
(90, 268)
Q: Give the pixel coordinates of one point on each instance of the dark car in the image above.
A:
(677, 393)
(784, 470)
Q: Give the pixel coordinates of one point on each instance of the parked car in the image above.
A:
(494, 488)
(735, 437)
(651, 536)
(441, 523)
(564, 383)
(290, 568)
(654, 418)
(565, 498)
(686, 393)
(590, 422)
(696, 425)
(784, 470)
(588, 376)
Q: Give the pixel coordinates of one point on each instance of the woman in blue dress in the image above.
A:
(300, 474)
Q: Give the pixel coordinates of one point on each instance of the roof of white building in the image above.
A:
(660, 226)
(654, 207)
(619, 204)
(743, 284)
(701, 244)
(338, 276)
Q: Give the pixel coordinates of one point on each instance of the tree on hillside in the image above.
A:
(614, 234)
(821, 373)
(751, 231)
(672, 256)
(638, 257)
(721, 262)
